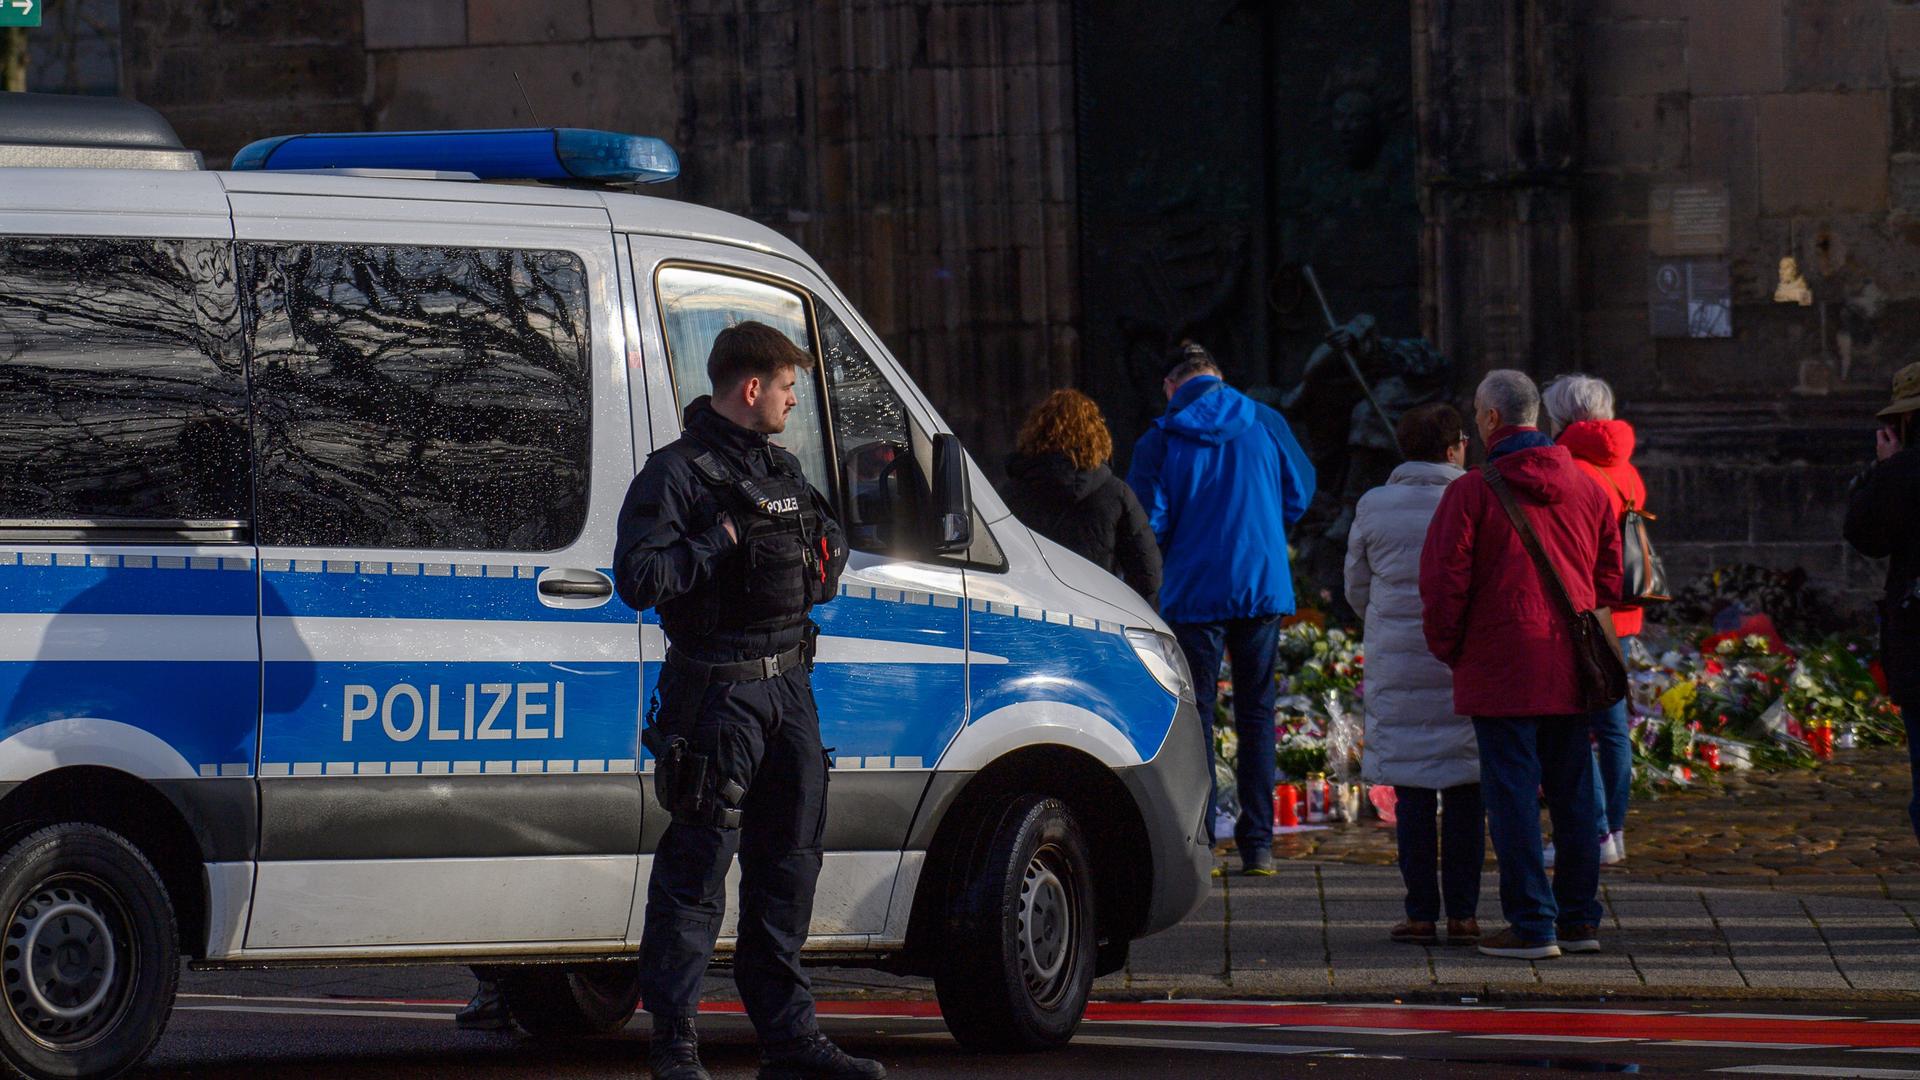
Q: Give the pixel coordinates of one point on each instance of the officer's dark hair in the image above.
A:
(1428, 432)
(752, 349)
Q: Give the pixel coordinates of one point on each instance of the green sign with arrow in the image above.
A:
(20, 12)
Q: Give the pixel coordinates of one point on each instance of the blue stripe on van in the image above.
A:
(169, 585)
(342, 589)
(1094, 669)
(206, 710)
(890, 714)
(899, 713)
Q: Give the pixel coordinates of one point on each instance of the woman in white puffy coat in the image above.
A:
(1415, 742)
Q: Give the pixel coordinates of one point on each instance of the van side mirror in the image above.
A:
(952, 524)
(885, 494)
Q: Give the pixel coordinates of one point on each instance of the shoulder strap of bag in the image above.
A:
(1625, 502)
(1532, 543)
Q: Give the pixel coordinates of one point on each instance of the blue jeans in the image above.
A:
(1521, 755)
(1612, 766)
(1460, 843)
(1250, 644)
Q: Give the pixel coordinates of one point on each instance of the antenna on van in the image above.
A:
(532, 113)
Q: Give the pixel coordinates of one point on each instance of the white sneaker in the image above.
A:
(1620, 844)
(1610, 850)
(1547, 854)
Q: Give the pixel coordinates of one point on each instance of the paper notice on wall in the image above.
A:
(1690, 298)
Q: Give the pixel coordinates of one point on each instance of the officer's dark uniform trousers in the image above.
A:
(734, 700)
(765, 733)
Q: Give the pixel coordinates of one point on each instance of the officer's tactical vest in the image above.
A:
(778, 571)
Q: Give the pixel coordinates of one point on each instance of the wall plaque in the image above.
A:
(1689, 219)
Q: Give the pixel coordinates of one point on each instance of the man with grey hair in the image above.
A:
(1492, 618)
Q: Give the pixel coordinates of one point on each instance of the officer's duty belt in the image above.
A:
(766, 667)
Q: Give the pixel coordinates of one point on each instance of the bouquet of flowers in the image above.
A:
(1731, 696)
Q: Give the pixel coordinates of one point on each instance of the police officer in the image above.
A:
(722, 534)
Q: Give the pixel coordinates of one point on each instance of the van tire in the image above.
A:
(1017, 955)
(87, 897)
(568, 1000)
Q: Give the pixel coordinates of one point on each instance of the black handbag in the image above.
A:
(1643, 579)
(1597, 661)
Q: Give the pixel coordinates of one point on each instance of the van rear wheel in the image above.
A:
(561, 1000)
(1018, 955)
(91, 956)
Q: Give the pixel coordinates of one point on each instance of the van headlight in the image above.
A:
(1162, 658)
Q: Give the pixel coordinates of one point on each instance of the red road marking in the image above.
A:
(1597, 1024)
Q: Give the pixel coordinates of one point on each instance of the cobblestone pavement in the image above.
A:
(1839, 829)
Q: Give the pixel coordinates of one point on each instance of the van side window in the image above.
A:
(419, 397)
(121, 381)
(885, 458)
(696, 304)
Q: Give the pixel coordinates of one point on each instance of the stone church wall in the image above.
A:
(1806, 111)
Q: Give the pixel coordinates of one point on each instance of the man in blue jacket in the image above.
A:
(1222, 478)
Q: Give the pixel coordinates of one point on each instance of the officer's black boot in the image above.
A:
(486, 1012)
(674, 1051)
(814, 1057)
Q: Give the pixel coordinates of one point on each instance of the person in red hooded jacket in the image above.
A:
(1580, 410)
(1491, 617)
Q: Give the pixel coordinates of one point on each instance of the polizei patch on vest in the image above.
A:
(770, 505)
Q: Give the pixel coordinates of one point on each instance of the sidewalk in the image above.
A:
(1798, 883)
(1321, 928)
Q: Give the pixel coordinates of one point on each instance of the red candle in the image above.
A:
(1286, 809)
(1820, 740)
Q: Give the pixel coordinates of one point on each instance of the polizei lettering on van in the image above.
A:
(536, 710)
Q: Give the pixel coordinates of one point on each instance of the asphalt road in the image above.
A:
(215, 1035)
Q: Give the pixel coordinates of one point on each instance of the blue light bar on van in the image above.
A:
(501, 154)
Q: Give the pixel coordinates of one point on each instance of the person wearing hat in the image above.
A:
(1222, 479)
(1883, 522)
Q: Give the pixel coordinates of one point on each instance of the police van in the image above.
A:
(308, 478)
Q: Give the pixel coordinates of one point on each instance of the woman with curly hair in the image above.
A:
(1059, 484)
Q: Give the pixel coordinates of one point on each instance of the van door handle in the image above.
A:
(576, 589)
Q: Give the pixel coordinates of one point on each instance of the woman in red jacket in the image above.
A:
(1580, 408)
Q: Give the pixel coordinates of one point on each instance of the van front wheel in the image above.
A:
(572, 999)
(91, 957)
(1018, 954)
